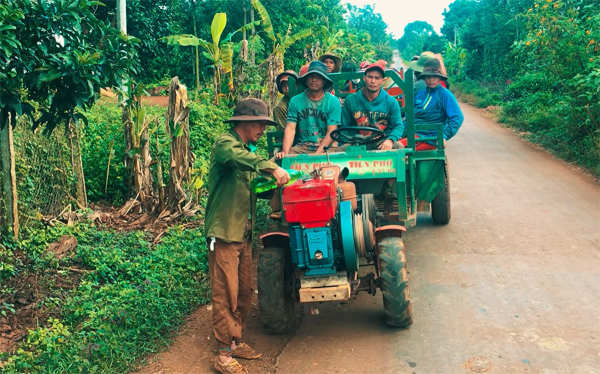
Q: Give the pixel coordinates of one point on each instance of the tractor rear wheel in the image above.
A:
(394, 282)
(276, 290)
(440, 206)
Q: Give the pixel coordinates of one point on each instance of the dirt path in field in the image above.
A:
(511, 285)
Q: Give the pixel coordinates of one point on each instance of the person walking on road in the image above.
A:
(435, 104)
(229, 221)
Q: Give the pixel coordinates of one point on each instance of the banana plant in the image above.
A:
(280, 42)
(219, 52)
(330, 43)
(280, 45)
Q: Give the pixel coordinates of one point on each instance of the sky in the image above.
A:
(398, 13)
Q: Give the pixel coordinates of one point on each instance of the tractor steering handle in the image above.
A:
(352, 135)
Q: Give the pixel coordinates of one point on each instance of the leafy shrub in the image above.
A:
(129, 299)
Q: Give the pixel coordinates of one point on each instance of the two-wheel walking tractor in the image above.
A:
(334, 224)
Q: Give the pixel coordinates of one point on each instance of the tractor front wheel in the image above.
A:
(394, 282)
(276, 291)
(440, 206)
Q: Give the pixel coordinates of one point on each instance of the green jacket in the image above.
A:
(280, 112)
(230, 201)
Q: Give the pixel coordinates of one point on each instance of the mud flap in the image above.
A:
(276, 239)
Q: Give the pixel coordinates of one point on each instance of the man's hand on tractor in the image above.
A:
(387, 145)
(281, 176)
(280, 155)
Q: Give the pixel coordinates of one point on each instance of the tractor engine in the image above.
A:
(310, 208)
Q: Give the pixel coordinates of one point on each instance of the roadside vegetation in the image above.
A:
(99, 266)
(538, 61)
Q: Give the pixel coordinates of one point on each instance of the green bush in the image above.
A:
(132, 295)
(103, 136)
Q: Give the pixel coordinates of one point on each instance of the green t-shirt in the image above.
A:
(313, 117)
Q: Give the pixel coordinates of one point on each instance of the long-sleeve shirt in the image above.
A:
(382, 113)
(280, 112)
(437, 105)
(231, 203)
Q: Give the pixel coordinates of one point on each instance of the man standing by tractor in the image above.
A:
(315, 113)
(371, 106)
(229, 220)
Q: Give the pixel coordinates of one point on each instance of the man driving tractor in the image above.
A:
(371, 106)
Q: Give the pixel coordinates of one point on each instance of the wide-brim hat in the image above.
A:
(431, 73)
(432, 68)
(283, 77)
(251, 110)
(317, 67)
(336, 60)
(420, 63)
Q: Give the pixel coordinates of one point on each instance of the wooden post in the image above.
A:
(252, 54)
(77, 164)
(9, 177)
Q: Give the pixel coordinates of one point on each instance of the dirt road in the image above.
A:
(511, 285)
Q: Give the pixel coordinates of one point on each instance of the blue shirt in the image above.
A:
(437, 105)
(313, 117)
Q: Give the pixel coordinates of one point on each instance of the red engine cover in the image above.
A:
(312, 203)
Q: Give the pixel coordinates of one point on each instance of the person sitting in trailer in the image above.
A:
(435, 104)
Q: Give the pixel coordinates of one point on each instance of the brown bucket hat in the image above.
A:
(336, 60)
(251, 110)
(432, 68)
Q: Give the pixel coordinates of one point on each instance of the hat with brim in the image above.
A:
(379, 66)
(251, 110)
(283, 77)
(337, 61)
(419, 65)
(317, 67)
(432, 68)
(431, 73)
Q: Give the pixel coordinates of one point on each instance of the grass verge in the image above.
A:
(129, 297)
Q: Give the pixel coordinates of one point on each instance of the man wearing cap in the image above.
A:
(371, 106)
(435, 104)
(281, 109)
(229, 220)
(314, 113)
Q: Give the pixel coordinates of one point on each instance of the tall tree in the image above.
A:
(63, 56)
(419, 36)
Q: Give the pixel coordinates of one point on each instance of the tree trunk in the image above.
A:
(197, 51)
(146, 192)
(216, 83)
(77, 164)
(9, 177)
(128, 137)
(177, 125)
(273, 69)
(159, 177)
(252, 54)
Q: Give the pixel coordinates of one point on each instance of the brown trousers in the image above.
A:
(230, 267)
